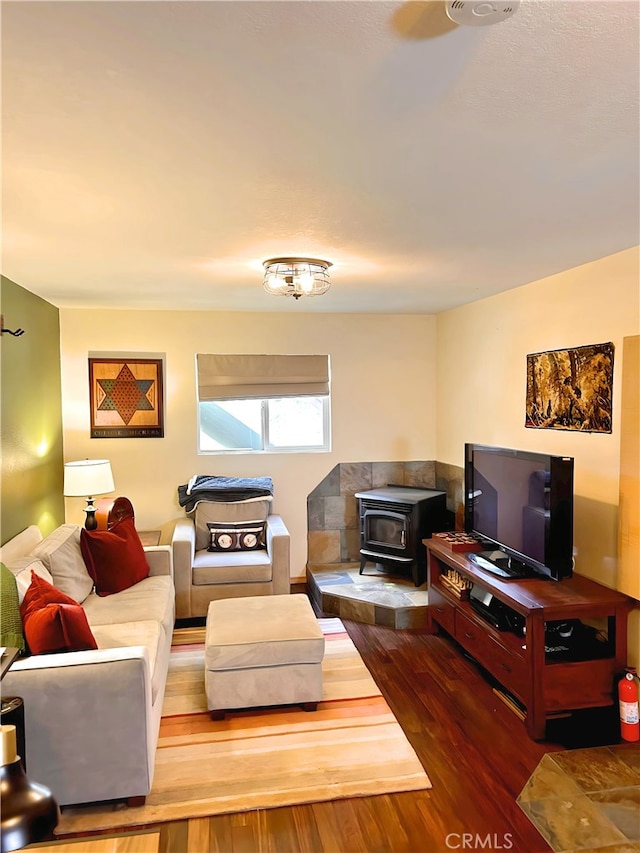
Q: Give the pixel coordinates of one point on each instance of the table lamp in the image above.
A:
(86, 479)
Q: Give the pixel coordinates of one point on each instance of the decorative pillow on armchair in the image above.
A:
(252, 510)
(236, 536)
(115, 558)
(52, 621)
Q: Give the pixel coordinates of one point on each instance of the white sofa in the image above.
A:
(92, 717)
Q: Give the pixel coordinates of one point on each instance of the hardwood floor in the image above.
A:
(474, 749)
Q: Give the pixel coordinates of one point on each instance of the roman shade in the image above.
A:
(236, 377)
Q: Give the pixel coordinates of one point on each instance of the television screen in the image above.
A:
(521, 504)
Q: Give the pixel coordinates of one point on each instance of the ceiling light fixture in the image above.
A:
(479, 13)
(296, 277)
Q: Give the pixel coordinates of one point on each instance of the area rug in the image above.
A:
(351, 746)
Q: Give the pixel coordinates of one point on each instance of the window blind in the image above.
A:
(235, 377)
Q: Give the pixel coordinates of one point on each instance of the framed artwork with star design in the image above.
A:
(126, 397)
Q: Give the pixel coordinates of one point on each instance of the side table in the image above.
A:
(11, 707)
(8, 657)
(149, 537)
(111, 511)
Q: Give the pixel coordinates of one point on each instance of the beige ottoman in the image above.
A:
(262, 650)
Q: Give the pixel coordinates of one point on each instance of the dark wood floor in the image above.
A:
(474, 749)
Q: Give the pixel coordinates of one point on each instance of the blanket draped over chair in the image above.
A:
(227, 489)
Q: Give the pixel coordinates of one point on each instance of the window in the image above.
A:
(263, 403)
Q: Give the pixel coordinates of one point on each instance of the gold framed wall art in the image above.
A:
(571, 389)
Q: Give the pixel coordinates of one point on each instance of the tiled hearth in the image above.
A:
(375, 598)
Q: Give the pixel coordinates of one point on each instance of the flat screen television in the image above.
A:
(520, 505)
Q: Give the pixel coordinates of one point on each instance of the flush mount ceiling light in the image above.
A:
(296, 277)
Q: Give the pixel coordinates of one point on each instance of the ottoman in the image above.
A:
(262, 650)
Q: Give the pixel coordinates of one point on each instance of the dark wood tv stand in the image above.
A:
(545, 684)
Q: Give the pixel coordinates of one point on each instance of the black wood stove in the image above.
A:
(393, 522)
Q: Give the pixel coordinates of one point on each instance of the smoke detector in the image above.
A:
(480, 13)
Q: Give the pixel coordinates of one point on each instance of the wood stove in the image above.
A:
(393, 522)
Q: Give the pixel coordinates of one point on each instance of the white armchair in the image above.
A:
(202, 576)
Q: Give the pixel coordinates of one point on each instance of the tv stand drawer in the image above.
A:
(441, 610)
(508, 668)
(471, 636)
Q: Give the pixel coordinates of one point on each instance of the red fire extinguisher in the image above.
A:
(628, 698)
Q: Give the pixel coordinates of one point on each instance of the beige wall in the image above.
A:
(629, 532)
(481, 380)
(383, 392)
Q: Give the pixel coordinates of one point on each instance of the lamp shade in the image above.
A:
(88, 477)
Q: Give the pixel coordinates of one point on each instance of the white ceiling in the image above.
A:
(154, 153)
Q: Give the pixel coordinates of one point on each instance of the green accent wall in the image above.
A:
(30, 414)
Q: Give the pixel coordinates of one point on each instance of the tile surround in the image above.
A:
(332, 508)
(354, 476)
(324, 545)
(341, 513)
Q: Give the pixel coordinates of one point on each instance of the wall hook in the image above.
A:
(15, 334)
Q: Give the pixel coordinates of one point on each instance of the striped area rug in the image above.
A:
(351, 746)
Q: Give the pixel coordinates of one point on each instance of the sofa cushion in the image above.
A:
(206, 511)
(236, 567)
(61, 555)
(21, 569)
(22, 544)
(11, 632)
(145, 633)
(237, 535)
(115, 558)
(151, 599)
(52, 621)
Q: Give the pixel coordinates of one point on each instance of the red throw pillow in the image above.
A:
(115, 558)
(40, 593)
(58, 628)
(52, 621)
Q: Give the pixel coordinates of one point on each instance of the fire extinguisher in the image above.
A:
(628, 698)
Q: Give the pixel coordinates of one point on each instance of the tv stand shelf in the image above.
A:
(547, 684)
